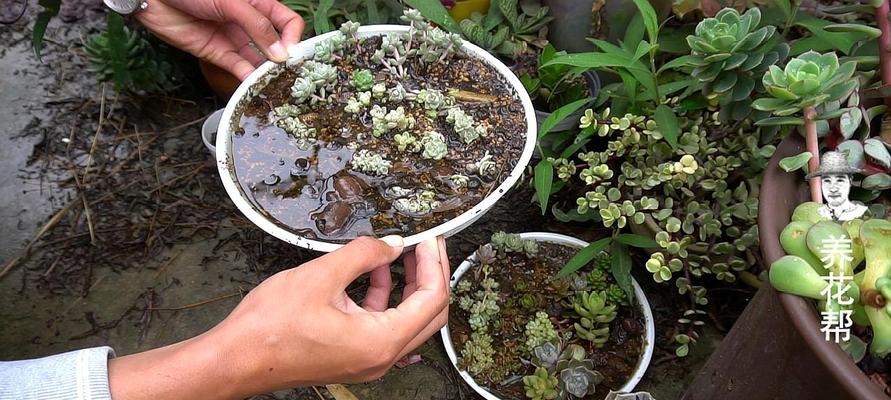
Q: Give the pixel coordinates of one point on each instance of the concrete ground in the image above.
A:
(192, 284)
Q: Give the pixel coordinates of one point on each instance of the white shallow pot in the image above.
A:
(555, 238)
(253, 84)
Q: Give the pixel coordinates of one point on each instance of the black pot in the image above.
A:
(776, 350)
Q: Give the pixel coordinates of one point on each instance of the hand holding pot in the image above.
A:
(220, 31)
(300, 328)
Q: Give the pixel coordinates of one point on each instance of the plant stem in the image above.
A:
(810, 135)
(882, 14)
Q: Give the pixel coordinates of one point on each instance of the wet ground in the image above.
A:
(159, 254)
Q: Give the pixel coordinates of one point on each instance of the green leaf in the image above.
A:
(320, 18)
(880, 181)
(559, 115)
(873, 112)
(667, 122)
(850, 121)
(583, 257)
(853, 149)
(436, 12)
(50, 10)
(823, 40)
(573, 215)
(621, 267)
(634, 240)
(118, 49)
(868, 31)
(544, 179)
(651, 22)
(876, 150)
(785, 6)
(682, 61)
(682, 350)
(795, 163)
(774, 121)
(374, 15)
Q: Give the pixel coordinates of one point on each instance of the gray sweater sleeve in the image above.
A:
(79, 374)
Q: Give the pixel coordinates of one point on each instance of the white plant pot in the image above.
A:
(305, 49)
(649, 324)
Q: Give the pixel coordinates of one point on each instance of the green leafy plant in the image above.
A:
(556, 85)
(510, 28)
(321, 16)
(127, 58)
(541, 385)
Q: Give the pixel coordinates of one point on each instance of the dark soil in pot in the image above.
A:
(526, 286)
(313, 191)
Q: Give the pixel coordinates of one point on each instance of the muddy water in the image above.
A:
(313, 191)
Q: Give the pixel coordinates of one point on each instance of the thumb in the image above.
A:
(357, 257)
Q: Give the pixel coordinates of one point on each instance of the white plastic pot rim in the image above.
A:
(304, 50)
(649, 323)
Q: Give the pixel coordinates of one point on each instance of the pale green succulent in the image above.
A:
(505, 243)
(433, 101)
(476, 356)
(397, 93)
(379, 91)
(538, 331)
(327, 51)
(370, 163)
(541, 385)
(361, 79)
(287, 119)
(405, 141)
(729, 54)
(460, 181)
(578, 378)
(485, 167)
(354, 106)
(808, 80)
(597, 334)
(592, 305)
(383, 121)
(434, 144)
(420, 202)
(464, 125)
(657, 266)
(314, 82)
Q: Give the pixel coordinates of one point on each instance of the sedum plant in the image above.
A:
(729, 54)
(541, 385)
(539, 330)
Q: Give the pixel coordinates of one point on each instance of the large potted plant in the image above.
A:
(810, 91)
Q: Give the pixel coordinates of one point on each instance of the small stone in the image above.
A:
(334, 218)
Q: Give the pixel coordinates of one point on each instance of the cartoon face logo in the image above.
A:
(836, 188)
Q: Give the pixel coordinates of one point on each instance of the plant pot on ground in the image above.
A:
(516, 331)
(374, 131)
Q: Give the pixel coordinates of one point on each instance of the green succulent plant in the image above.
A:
(808, 80)
(539, 330)
(541, 385)
(509, 28)
(362, 79)
(578, 378)
(729, 53)
(127, 58)
(593, 305)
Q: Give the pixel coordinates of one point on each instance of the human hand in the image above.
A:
(220, 31)
(300, 328)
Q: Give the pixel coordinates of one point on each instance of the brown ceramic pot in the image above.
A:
(220, 81)
(776, 350)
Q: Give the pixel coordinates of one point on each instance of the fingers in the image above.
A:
(430, 297)
(359, 256)
(233, 62)
(256, 25)
(378, 295)
(241, 41)
(288, 22)
(443, 317)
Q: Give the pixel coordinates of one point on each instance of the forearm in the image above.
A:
(203, 367)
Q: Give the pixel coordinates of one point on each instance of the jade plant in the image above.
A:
(802, 271)
(553, 357)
